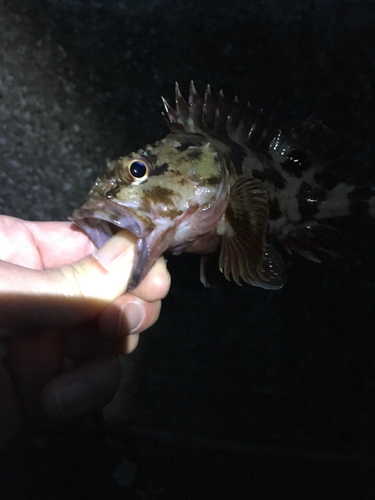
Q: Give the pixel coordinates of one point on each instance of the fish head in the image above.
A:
(169, 194)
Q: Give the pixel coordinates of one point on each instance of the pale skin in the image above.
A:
(65, 316)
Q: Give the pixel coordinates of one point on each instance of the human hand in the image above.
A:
(65, 305)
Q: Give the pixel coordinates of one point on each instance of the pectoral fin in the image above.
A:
(243, 229)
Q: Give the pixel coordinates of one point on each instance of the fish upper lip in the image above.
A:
(99, 209)
(114, 213)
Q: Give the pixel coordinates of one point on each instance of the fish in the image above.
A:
(229, 184)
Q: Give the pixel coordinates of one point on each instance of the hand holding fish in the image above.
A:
(66, 306)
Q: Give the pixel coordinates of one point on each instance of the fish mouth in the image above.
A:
(101, 218)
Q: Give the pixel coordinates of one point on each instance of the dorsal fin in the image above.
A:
(236, 121)
(312, 143)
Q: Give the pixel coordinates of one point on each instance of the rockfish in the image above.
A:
(221, 184)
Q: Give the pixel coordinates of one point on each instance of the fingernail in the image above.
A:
(70, 399)
(131, 316)
(119, 245)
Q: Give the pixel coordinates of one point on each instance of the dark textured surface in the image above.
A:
(236, 392)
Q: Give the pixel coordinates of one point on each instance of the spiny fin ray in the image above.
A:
(311, 143)
(311, 236)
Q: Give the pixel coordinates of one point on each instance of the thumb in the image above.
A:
(68, 295)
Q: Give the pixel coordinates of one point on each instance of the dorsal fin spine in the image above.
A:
(242, 124)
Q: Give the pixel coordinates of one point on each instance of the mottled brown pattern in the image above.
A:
(194, 154)
(213, 181)
(184, 146)
(159, 170)
(152, 158)
(172, 213)
(111, 193)
(181, 181)
(160, 194)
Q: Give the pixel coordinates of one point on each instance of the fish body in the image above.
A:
(221, 184)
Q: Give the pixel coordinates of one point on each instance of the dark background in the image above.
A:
(235, 392)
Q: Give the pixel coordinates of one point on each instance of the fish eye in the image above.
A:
(138, 169)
